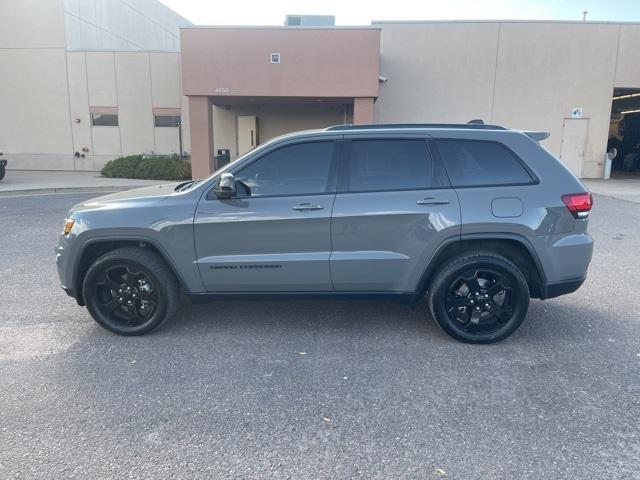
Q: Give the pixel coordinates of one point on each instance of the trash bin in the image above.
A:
(608, 160)
(223, 157)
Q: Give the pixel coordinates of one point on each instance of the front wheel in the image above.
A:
(479, 297)
(130, 291)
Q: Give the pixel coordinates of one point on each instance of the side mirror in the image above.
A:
(226, 187)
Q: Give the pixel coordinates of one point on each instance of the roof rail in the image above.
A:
(378, 126)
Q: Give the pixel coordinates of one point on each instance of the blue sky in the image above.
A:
(361, 12)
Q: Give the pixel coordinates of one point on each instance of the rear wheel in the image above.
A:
(479, 297)
(130, 291)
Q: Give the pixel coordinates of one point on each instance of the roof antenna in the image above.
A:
(584, 15)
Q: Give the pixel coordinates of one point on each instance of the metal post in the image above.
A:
(180, 138)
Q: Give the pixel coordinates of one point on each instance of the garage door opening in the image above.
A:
(624, 133)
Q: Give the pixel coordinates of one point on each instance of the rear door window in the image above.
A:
(479, 163)
(390, 164)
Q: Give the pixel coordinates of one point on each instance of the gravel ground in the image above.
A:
(316, 389)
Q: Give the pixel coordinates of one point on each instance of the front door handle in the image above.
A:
(307, 206)
(432, 201)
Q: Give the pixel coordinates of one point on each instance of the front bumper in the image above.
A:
(64, 266)
(72, 293)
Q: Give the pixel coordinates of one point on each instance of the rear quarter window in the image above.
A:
(479, 163)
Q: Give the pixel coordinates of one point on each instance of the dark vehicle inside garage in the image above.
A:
(624, 133)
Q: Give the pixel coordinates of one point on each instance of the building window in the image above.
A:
(167, 120)
(275, 58)
(104, 119)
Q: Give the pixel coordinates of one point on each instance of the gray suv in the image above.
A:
(476, 217)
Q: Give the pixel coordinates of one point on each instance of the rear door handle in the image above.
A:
(432, 201)
(307, 206)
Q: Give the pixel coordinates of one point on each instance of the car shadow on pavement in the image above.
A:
(303, 315)
(548, 321)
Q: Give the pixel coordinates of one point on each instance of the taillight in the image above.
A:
(579, 204)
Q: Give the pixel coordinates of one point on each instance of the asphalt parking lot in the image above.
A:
(316, 389)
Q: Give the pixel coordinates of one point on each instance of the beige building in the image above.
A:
(572, 79)
(80, 86)
(526, 75)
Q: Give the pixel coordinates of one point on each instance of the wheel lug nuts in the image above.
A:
(471, 302)
(486, 305)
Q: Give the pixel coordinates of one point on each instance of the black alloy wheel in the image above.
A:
(480, 300)
(126, 295)
(479, 297)
(130, 291)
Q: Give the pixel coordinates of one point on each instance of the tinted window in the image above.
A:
(104, 120)
(292, 170)
(389, 165)
(167, 120)
(481, 163)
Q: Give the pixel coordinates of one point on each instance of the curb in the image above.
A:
(45, 191)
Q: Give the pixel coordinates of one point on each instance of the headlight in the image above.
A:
(68, 225)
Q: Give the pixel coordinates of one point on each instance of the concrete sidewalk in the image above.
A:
(624, 188)
(24, 182)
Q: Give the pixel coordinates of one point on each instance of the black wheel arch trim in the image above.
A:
(77, 291)
(431, 267)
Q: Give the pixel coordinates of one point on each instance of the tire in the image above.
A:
(130, 291)
(478, 297)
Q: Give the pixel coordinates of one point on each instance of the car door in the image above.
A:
(274, 235)
(393, 209)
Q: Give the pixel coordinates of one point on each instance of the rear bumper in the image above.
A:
(564, 287)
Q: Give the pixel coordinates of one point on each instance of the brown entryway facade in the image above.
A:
(248, 85)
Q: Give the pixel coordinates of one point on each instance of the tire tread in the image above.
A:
(445, 270)
(158, 267)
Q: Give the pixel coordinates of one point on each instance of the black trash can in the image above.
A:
(223, 157)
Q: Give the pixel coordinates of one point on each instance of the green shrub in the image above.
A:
(153, 168)
(123, 167)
